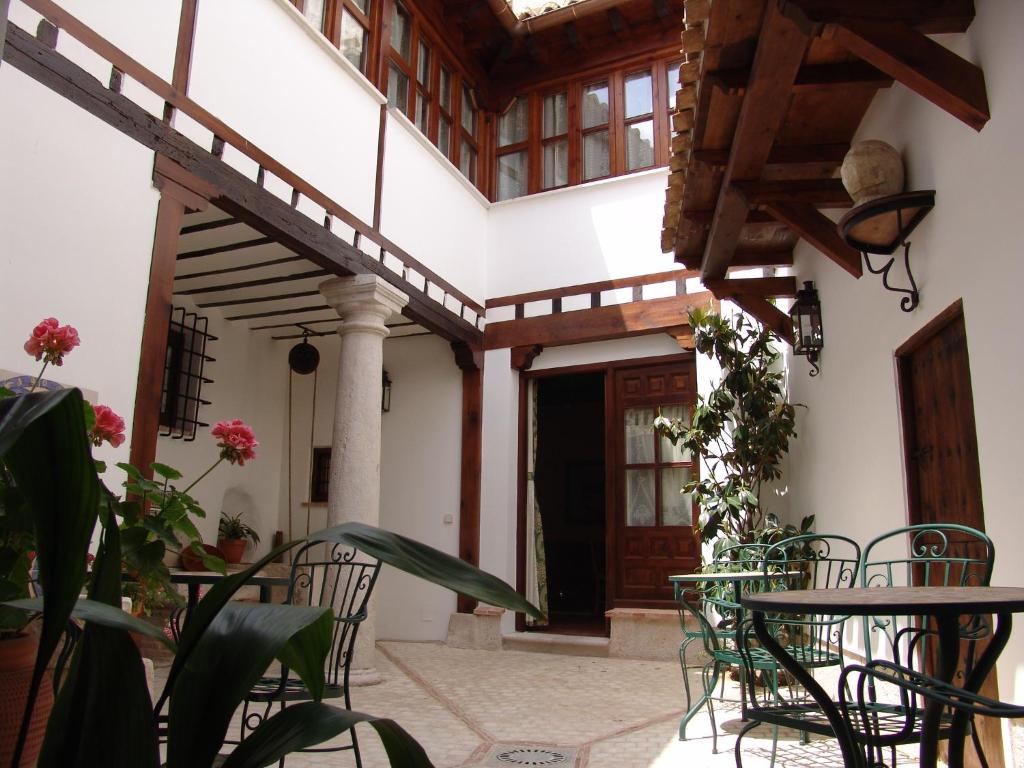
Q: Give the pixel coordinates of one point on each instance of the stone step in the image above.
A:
(549, 642)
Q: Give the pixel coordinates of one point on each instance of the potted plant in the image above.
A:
(233, 537)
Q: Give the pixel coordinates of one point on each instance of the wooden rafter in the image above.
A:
(771, 316)
(774, 287)
(780, 51)
(824, 193)
(820, 231)
(809, 78)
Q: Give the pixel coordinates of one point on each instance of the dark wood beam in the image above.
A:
(773, 318)
(704, 218)
(254, 283)
(237, 195)
(746, 258)
(572, 34)
(931, 17)
(205, 226)
(774, 287)
(780, 50)
(521, 358)
(238, 268)
(226, 248)
(824, 193)
(617, 22)
(239, 302)
(183, 52)
(809, 78)
(830, 155)
(923, 65)
(470, 360)
(611, 322)
(820, 231)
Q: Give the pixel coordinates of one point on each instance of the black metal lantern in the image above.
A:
(385, 392)
(808, 338)
(304, 357)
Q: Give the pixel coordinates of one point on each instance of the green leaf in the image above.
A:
(164, 471)
(311, 723)
(100, 613)
(429, 564)
(44, 444)
(129, 470)
(229, 658)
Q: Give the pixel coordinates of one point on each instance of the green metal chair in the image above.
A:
(808, 561)
(715, 609)
(941, 554)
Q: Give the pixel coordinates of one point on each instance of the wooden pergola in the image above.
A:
(772, 93)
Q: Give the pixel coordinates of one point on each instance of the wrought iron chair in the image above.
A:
(815, 641)
(859, 707)
(940, 554)
(324, 575)
(714, 606)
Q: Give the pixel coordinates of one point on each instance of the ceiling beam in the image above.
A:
(932, 17)
(824, 193)
(780, 50)
(733, 82)
(773, 318)
(820, 231)
(923, 65)
(774, 287)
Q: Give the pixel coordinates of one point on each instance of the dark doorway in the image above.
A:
(941, 454)
(570, 487)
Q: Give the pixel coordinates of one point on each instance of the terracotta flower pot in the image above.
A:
(17, 657)
(233, 549)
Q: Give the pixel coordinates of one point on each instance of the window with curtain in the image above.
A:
(513, 133)
(655, 470)
(468, 140)
(555, 140)
(639, 120)
(596, 116)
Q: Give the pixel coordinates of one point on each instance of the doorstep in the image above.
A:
(549, 642)
(644, 633)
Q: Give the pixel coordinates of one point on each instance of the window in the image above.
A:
(444, 121)
(513, 132)
(314, 11)
(184, 363)
(655, 470)
(467, 142)
(355, 25)
(639, 121)
(320, 479)
(423, 99)
(555, 140)
(399, 68)
(596, 147)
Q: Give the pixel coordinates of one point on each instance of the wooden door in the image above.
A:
(941, 452)
(652, 525)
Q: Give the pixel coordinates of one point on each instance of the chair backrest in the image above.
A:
(341, 578)
(927, 554)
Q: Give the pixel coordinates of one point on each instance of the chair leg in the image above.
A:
(709, 690)
(682, 663)
(355, 749)
(692, 711)
(739, 738)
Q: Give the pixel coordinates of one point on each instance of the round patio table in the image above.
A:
(194, 579)
(945, 604)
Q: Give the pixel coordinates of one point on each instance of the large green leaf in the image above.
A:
(44, 444)
(229, 658)
(103, 614)
(311, 723)
(429, 564)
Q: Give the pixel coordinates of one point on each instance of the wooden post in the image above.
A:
(471, 361)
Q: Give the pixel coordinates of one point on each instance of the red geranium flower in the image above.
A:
(109, 426)
(51, 340)
(236, 441)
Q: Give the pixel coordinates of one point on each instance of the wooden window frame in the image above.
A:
(608, 126)
(629, 121)
(331, 28)
(537, 132)
(519, 146)
(657, 466)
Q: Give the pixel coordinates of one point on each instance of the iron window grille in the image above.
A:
(181, 400)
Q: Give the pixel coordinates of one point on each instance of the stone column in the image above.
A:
(364, 302)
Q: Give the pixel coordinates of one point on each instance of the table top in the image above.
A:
(898, 601)
(212, 577)
(728, 576)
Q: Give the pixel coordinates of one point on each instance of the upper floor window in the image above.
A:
(639, 121)
(346, 23)
(468, 148)
(513, 132)
(596, 137)
(555, 139)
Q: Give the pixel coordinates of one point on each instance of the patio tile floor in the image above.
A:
(616, 713)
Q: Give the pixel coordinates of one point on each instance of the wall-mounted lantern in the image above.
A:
(385, 392)
(808, 338)
(884, 215)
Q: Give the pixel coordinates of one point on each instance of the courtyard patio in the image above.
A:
(469, 707)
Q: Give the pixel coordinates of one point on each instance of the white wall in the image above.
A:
(847, 463)
(583, 234)
(249, 383)
(77, 242)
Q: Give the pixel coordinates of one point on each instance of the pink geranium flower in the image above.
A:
(109, 426)
(51, 340)
(236, 441)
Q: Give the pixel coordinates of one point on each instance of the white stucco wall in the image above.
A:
(77, 242)
(847, 466)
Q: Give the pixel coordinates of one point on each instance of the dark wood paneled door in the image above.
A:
(652, 529)
(941, 453)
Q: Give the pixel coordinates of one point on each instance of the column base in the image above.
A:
(359, 678)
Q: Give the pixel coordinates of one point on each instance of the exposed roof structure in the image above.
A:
(772, 94)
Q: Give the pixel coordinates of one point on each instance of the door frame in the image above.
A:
(608, 369)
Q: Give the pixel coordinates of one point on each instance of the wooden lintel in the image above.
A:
(774, 287)
(770, 316)
(522, 357)
(810, 78)
(820, 231)
(612, 322)
(799, 154)
(823, 193)
(780, 50)
(932, 17)
(923, 65)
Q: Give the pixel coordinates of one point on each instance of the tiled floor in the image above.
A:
(616, 713)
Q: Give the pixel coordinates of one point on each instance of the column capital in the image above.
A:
(364, 302)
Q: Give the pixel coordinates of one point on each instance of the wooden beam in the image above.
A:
(774, 287)
(226, 248)
(183, 52)
(932, 17)
(773, 318)
(824, 193)
(780, 50)
(470, 360)
(810, 78)
(612, 322)
(704, 218)
(820, 231)
(830, 155)
(237, 195)
(585, 288)
(746, 258)
(205, 226)
(522, 358)
(923, 65)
